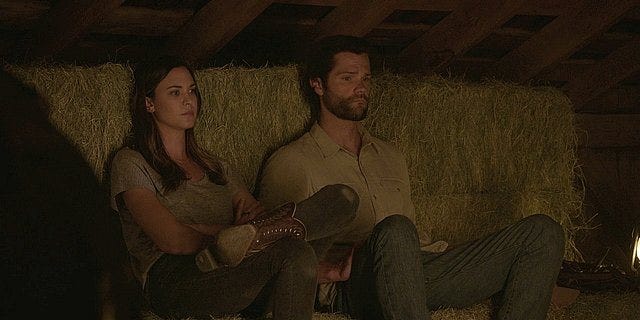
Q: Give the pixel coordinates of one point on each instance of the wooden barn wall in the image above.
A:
(609, 156)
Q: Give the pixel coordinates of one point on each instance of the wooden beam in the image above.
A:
(621, 99)
(64, 23)
(128, 20)
(21, 14)
(565, 71)
(606, 74)
(540, 7)
(213, 27)
(612, 180)
(633, 14)
(23, 11)
(355, 17)
(608, 131)
(456, 33)
(559, 39)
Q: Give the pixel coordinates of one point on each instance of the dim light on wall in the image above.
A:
(635, 252)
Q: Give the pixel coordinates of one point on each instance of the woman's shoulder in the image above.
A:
(128, 155)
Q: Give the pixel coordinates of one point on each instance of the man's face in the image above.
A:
(346, 91)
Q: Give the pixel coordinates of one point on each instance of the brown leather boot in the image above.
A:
(275, 225)
(234, 243)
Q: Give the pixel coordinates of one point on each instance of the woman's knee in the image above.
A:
(299, 257)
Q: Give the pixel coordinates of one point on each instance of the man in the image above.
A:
(391, 276)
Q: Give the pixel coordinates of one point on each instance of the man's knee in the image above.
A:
(395, 231)
(345, 195)
(551, 233)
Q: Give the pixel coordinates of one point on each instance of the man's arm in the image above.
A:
(283, 179)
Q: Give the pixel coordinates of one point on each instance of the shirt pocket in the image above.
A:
(393, 195)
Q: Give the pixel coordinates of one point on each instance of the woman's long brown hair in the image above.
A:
(146, 136)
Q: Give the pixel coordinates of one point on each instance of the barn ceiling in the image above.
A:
(589, 48)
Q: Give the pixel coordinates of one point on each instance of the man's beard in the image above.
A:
(347, 108)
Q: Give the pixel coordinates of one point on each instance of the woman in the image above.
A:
(173, 198)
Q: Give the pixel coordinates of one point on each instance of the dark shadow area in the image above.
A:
(62, 249)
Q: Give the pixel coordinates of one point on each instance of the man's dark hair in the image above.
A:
(319, 60)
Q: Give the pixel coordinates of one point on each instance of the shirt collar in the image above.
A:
(328, 147)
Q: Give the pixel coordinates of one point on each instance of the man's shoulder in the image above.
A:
(386, 147)
(301, 148)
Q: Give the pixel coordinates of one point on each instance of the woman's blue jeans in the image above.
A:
(282, 276)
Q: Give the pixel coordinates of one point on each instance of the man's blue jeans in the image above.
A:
(517, 266)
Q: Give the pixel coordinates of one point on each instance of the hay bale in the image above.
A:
(494, 151)
(248, 114)
(480, 156)
(88, 105)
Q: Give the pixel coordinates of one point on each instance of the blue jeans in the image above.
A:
(517, 267)
(283, 275)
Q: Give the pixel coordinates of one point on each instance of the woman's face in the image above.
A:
(174, 105)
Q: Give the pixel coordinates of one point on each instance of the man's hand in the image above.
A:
(333, 271)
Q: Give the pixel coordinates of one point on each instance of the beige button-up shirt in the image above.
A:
(378, 174)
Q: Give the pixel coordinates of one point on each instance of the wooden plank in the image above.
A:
(128, 20)
(213, 27)
(565, 71)
(633, 14)
(540, 7)
(355, 17)
(612, 181)
(604, 75)
(22, 11)
(608, 131)
(614, 174)
(560, 38)
(64, 23)
(456, 33)
(93, 51)
(21, 14)
(621, 99)
(466, 68)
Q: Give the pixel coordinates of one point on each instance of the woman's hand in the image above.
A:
(245, 207)
(161, 226)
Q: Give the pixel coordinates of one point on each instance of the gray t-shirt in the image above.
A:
(199, 201)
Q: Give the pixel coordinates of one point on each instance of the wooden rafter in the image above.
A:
(456, 33)
(607, 131)
(559, 39)
(606, 74)
(621, 99)
(21, 14)
(130, 20)
(355, 17)
(64, 23)
(213, 27)
(539, 7)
